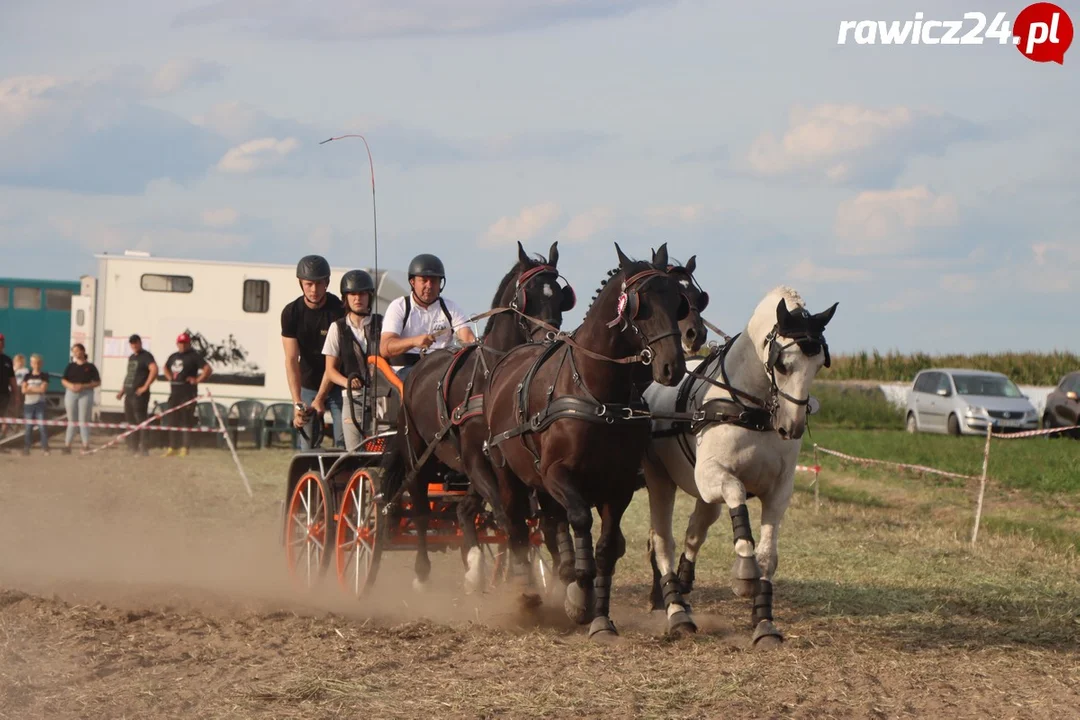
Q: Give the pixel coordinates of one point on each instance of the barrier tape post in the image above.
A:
(817, 478)
(228, 440)
(982, 483)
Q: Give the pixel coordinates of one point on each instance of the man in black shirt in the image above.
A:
(185, 369)
(304, 324)
(142, 370)
(8, 394)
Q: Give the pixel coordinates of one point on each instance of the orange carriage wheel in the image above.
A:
(357, 544)
(309, 525)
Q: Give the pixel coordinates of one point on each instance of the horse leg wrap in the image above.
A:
(763, 602)
(686, 574)
(678, 609)
(566, 556)
(602, 585)
(584, 563)
(740, 524)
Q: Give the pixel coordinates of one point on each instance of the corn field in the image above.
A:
(1023, 368)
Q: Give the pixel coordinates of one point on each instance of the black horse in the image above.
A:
(441, 411)
(566, 418)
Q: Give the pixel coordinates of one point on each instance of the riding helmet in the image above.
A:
(426, 266)
(356, 281)
(313, 268)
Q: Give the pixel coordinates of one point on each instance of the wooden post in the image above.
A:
(982, 482)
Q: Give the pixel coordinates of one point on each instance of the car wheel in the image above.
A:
(911, 426)
(1047, 423)
(954, 425)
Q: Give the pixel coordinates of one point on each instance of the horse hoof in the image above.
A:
(767, 636)
(578, 603)
(420, 586)
(744, 588)
(680, 625)
(602, 629)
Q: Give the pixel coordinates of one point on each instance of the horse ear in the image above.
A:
(523, 257)
(783, 315)
(822, 319)
(660, 258)
(553, 254)
(691, 264)
(623, 260)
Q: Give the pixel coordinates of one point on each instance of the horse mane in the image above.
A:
(636, 266)
(788, 293)
(505, 283)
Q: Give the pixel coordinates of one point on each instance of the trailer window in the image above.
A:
(256, 296)
(27, 298)
(167, 283)
(5, 301)
(58, 300)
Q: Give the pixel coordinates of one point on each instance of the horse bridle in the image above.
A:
(810, 343)
(518, 303)
(630, 303)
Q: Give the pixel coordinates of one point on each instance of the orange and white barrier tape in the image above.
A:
(1033, 433)
(143, 426)
(905, 466)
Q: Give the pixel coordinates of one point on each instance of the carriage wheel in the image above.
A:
(309, 525)
(357, 546)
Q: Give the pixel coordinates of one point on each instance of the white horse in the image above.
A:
(733, 436)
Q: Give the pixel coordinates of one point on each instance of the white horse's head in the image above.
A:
(790, 343)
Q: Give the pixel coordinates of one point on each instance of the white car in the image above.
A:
(962, 402)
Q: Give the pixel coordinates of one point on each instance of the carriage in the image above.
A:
(335, 515)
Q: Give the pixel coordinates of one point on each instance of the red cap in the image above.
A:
(183, 338)
(1, 336)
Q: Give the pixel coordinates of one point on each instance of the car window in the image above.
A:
(987, 385)
(943, 384)
(926, 383)
(1072, 384)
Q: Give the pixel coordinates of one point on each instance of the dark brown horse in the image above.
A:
(441, 413)
(566, 418)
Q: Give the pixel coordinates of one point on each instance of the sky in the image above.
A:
(930, 190)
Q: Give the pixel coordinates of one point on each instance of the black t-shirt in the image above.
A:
(184, 365)
(37, 384)
(7, 371)
(309, 328)
(138, 370)
(85, 373)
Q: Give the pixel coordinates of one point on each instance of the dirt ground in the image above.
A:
(154, 587)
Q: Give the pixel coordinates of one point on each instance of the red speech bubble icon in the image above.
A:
(1043, 32)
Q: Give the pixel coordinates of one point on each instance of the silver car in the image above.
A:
(962, 402)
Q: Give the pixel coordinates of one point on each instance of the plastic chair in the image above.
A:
(205, 418)
(246, 416)
(278, 419)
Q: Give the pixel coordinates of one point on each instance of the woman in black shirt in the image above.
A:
(80, 379)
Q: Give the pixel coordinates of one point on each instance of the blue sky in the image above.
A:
(930, 190)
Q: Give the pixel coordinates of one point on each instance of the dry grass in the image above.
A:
(888, 613)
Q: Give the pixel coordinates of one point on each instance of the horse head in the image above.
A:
(791, 348)
(692, 327)
(533, 290)
(650, 305)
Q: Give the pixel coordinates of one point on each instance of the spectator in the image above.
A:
(80, 379)
(9, 396)
(34, 387)
(185, 369)
(21, 371)
(142, 370)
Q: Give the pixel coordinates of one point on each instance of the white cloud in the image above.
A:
(904, 300)
(851, 144)
(807, 271)
(587, 224)
(523, 226)
(256, 154)
(219, 217)
(179, 74)
(885, 222)
(958, 283)
(99, 237)
(671, 214)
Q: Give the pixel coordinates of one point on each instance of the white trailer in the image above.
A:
(232, 311)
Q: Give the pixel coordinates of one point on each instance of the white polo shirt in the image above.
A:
(332, 345)
(423, 321)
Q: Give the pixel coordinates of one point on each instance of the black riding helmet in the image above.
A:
(426, 266)
(356, 281)
(313, 268)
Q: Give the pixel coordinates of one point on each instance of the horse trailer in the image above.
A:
(232, 311)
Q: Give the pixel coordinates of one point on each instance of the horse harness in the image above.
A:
(587, 408)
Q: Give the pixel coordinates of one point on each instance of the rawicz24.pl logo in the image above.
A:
(1042, 32)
